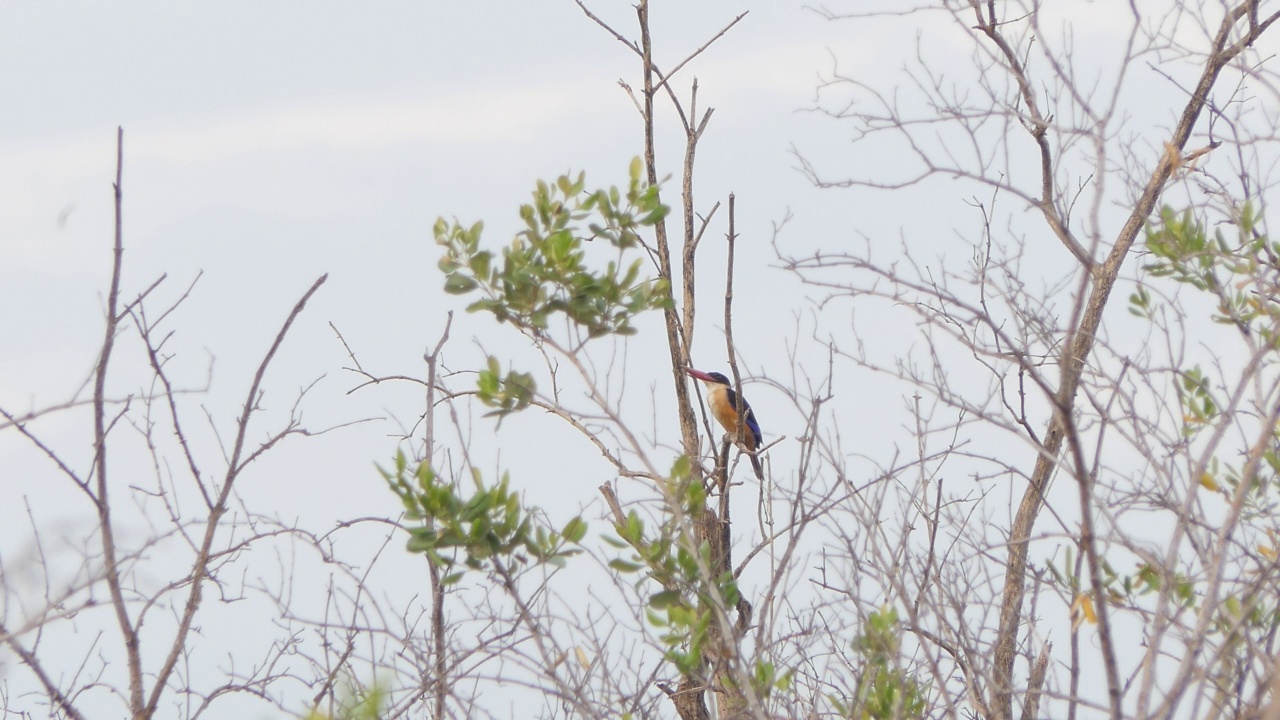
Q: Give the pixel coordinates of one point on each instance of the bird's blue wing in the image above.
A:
(751, 422)
(755, 426)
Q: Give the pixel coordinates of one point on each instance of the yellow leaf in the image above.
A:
(1086, 603)
(1207, 481)
(582, 658)
(1267, 552)
(1082, 611)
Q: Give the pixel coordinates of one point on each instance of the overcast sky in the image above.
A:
(267, 144)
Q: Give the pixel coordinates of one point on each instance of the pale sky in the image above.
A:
(268, 144)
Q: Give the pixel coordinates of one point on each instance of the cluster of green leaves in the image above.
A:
(505, 394)
(765, 679)
(545, 269)
(884, 691)
(1243, 275)
(1195, 395)
(1241, 272)
(1261, 501)
(1242, 627)
(1234, 616)
(1200, 410)
(360, 703)
(682, 609)
(1126, 589)
(452, 529)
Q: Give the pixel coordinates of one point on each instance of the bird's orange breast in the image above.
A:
(727, 415)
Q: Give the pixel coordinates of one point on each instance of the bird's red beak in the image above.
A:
(699, 375)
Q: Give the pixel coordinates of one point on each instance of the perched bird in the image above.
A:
(723, 402)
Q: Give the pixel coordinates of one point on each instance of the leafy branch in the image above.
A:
(450, 528)
(545, 270)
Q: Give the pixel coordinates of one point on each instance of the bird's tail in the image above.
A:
(755, 465)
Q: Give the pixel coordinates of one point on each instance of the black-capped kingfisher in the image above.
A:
(723, 402)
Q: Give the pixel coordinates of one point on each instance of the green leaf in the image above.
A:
(420, 543)
(665, 599)
(456, 284)
(574, 530)
(624, 566)
(545, 271)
